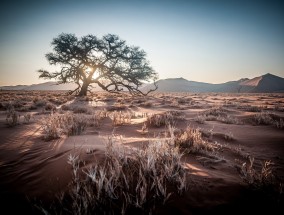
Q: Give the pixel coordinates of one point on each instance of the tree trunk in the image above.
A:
(84, 89)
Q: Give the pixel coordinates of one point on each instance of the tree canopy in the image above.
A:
(108, 62)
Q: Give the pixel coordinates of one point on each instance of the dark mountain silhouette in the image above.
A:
(267, 83)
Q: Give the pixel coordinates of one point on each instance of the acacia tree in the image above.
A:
(108, 62)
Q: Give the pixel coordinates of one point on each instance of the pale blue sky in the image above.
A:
(203, 40)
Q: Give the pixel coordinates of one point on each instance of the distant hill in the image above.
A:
(17, 87)
(47, 86)
(267, 83)
(264, 84)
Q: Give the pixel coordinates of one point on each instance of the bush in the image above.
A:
(40, 103)
(262, 179)
(216, 112)
(120, 118)
(27, 117)
(125, 183)
(191, 141)
(55, 125)
(279, 124)
(162, 119)
(263, 118)
(50, 107)
(12, 118)
(96, 117)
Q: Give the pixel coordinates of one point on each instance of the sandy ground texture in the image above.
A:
(238, 126)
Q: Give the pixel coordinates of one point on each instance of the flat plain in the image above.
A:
(167, 153)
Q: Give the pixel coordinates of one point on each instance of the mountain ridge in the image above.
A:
(267, 83)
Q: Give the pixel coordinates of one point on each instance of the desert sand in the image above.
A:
(237, 127)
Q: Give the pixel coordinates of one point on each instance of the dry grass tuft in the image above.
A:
(120, 118)
(95, 119)
(263, 118)
(27, 117)
(12, 117)
(215, 111)
(162, 119)
(216, 114)
(56, 125)
(279, 124)
(263, 179)
(123, 183)
(191, 141)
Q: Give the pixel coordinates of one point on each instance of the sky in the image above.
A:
(210, 41)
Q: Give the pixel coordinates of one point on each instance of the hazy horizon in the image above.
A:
(203, 41)
(47, 81)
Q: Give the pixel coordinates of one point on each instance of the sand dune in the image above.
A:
(37, 169)
(267, 83)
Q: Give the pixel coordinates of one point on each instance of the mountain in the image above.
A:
(43, 86)
(47, 86)
(267, 83)
(179, 85)
(17, 87)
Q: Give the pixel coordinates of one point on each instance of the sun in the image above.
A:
(90, 69)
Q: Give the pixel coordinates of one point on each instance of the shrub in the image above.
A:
(216, 111)
(12, 117)
(279, 124)
(200, 119)
(50, 107)
(278, 107)
(123, 183)
(218, 114)
(146, 104)
(263, 118)
(120, 118)
(116, 107)
(27, 117)
(251, 108)
(40, 103)
(257, 179)
(227, 119)
(55, 125)
(191, 140)
(82, 109)
(96, 117)
(144, 129)
(162, 119)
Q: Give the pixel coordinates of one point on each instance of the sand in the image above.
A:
(34, 169)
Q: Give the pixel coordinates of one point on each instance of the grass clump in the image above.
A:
(120, 118)
(56, 125)
(12, 117)
(263, 118)
(279, 124)
(27, 117)
(254, 178)
(162, 119)
(263, 181)
(96, 118)
(191, 141)
(124, 184)
(216, 114)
